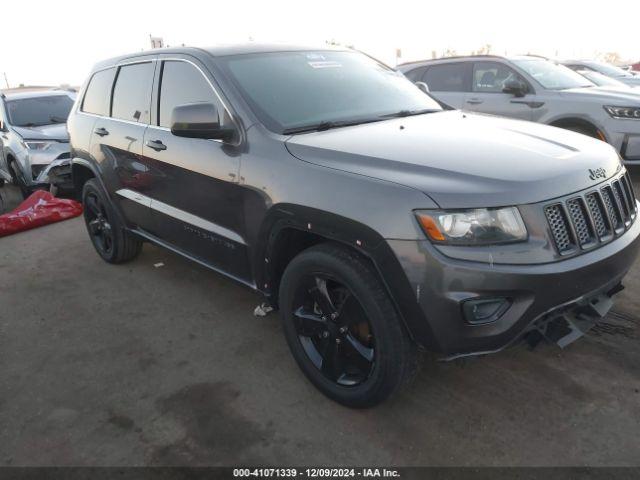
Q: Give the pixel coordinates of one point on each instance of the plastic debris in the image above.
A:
(40, 208)
(263, 310)
(158, 265)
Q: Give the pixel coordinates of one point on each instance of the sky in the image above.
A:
(57, 42)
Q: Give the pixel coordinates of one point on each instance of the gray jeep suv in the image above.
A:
(535, 89)
(373, 219)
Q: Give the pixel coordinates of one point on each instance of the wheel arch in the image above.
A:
(578, 121)
(290, 229)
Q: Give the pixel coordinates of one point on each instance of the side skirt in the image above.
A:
(168, 246)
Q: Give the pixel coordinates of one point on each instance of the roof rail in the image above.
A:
(456, 57)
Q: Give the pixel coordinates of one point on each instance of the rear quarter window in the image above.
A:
(415, 75)
(96, 99)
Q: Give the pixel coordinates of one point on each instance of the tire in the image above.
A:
(593, 133)
(18, 181)
(110, 238)
(390, 357)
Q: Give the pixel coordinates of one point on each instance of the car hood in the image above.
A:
(633, 81)
(630, 97)
(57, 132)
(462, 160)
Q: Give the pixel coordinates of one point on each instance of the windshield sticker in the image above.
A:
(325, 64)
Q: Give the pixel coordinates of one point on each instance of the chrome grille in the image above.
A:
(596, 216)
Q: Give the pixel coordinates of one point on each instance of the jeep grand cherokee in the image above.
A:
(374, 220)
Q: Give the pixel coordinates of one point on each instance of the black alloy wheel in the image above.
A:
(98, 224)
(342, 327)
(113, 242)
(333, 330)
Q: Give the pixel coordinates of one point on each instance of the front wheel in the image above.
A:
(342, 327)
(18, 179)
(110, 239)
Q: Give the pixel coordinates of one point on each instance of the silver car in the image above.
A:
(607, 69)
(34, 143)
(534, 89)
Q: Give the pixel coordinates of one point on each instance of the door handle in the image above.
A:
(157, 145)
(101, 131)
(474, 101)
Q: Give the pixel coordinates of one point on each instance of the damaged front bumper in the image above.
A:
(57, 173)
(454, 296)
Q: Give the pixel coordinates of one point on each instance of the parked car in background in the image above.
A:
(534, 89)
(605, 69)
(607, 83)
(373, 219)
(34, 143)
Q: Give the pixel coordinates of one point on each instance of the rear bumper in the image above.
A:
(441, 285)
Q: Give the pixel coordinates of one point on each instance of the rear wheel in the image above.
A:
(109, 237)
(342, 328)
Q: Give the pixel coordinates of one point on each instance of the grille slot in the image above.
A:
(598, 214)
(580, 220)
(612, 208)
(627, 186)
(559, 228)
(593, 217)
(617, 192)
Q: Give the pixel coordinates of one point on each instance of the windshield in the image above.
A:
(608, 69)
(292, 90)
(600, 79)
(38, 111)
(552, 76)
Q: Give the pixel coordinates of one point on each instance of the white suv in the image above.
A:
(534, 89)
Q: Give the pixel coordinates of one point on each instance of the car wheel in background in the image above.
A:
(18, 178)
(342, 327)
(109, 237)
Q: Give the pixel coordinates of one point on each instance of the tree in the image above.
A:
(612, 57)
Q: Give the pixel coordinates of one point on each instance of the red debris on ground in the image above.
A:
(40, 208)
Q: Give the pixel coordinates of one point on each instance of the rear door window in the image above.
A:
(182, 83)
(97, 98)
(449, 77)
(132, 92)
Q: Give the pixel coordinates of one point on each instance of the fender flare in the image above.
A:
(352, 234)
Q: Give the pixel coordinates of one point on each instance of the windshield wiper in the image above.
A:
(55, 119)
(322, 126)
(408, 113)
(31, 124)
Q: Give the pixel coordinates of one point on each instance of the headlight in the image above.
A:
(623, 112)
(37, 145)
(480, 226)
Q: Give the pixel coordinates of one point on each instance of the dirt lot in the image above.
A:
(137, 365)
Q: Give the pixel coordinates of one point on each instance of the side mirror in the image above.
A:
(422, 86)
(515, 87)
(199, 120)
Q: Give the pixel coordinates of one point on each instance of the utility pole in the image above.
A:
(5, 79)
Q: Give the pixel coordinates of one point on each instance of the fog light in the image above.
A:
(485, 310)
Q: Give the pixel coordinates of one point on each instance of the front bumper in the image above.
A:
(441, 285)
(626, 139)
(56, 173)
